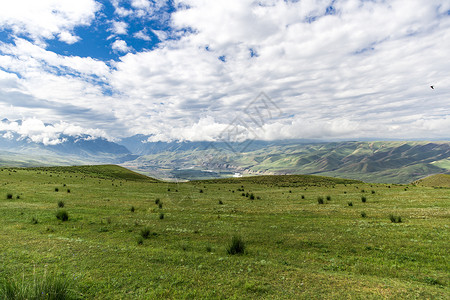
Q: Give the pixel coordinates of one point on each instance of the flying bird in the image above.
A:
(432, 87)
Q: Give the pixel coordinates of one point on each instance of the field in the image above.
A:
(136, 238)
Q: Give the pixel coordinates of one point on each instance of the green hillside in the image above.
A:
(98, 171)
(305, 237)
(439, 180)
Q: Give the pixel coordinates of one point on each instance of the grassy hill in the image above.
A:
(147, 239)
(97, 171)
(439, 180)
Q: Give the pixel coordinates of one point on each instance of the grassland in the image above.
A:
(295, 247)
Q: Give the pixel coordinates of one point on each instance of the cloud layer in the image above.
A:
(334, 69)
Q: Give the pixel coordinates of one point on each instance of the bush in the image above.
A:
(320, 200)
(208, 248)
(328, 198)
(201, 191)
(132, 209)
(9, 196)
(62, 215)
(161, 216)
(373, 192)
(395, 219)
(350, 203)
(363, 214)
(34, 220)
(60, 204)
(303, 196)
(56, 190)
(363, 199)
(252, 197)
(68, 190)
(237, 246)
(160, 205)
(220, 202)
(157, 200)
(140, 240)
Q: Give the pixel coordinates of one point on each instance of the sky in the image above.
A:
(203, 70)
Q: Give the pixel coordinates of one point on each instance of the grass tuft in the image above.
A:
(145, 233)
(237, 246)
(50, 287)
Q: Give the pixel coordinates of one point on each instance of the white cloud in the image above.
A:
(48, 134)
(142, 35)
(46, 19)
(120, 46)
(363, 71)
(119, 28)
(68, 38)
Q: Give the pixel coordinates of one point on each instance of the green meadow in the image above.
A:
(128, 236)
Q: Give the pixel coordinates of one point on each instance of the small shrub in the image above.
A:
(237, 246)
(247, 194)
(160, 205)
(363, 199)
(68, 191)
(243, 194)
(328, 198)
(140, 240)
(17, 197)
(363, 214)
(303, 196)
(220, 202)
(363, 191)
(34, 220)
(62, 215)
(395, 219)
(161, 216)
(157, 200)
(320, 200)
(145, 233)
(208, 248)
(252, 197)
(60, 204)
(9, 196)
(132, 209)
(350, 203)
(56, 189)
(201, 191)
(373, 192)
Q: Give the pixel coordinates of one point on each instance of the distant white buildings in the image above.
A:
(237, 175)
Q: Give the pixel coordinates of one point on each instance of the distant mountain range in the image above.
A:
(390, 162)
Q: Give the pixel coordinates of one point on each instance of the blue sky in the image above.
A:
(188, 69)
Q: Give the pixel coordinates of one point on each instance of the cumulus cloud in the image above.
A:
(119, 27)
(48, 134)
(120, 46)
(336, 69)
(47, 19)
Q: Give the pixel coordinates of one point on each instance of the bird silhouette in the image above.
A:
(432, 87)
